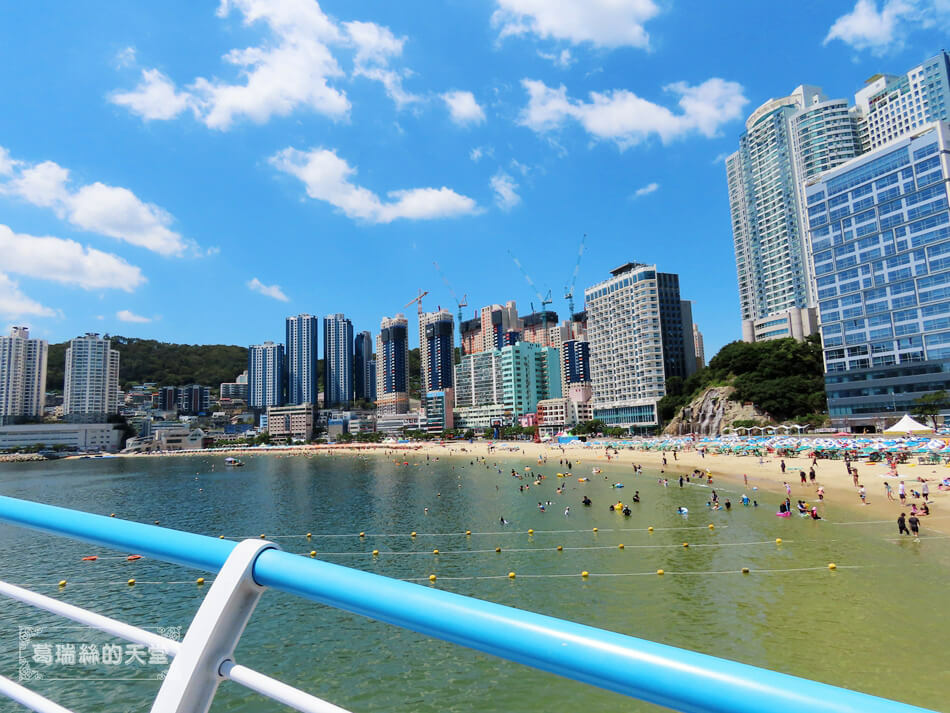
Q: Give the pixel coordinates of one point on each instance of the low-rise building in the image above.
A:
(290, 423)
(93, 437)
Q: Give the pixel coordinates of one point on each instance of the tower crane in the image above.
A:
(422, 293)
(460, 303)
(545, 300)
(569, 291)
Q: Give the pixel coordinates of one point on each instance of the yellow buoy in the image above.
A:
(375, 553)
(560, 548)
(435, 552)
(711, 526)
(309, 535)
(659, 571)
(431, 577)
(112, 514)
(468, 532)
(511, 575)
(585, 573)
(498, 549)
(412, 534)
(200, 581)
(62, 583)
(685, 544)
(263, 536)
(778, 540)
(745, 570)
(530, 532)
(650, 528)
(620, 546)
(156, 522)
(832, 565)
(313, 553)
(362, 534)
(220, 537)
(131, 582)
(595, 529)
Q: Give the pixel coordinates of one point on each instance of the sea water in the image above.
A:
(874, 624)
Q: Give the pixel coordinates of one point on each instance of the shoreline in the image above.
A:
(728, 469)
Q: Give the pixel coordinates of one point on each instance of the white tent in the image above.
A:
(908, 426)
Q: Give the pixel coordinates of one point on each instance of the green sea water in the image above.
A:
(875, 624)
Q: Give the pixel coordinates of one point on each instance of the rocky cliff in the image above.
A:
(712, 411)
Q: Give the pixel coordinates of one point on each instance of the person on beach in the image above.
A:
(889, 491)
(801, 474)
(681, 481)
(745, 478)
(788, 488)
(782, 466)
(814, 513)
(863, 494)
(902, 525)
(586, 501)
(914, 527)
(925, 491)
(854, 476)
(811, 475)
(902, 492)
(567, 510)
(636, 496)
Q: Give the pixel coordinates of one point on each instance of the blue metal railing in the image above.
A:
(668, 676)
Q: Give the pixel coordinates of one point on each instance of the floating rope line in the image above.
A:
(377, 553)
(662, 573)
(314, 535)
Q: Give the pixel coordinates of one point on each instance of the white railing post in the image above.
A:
(195, 673)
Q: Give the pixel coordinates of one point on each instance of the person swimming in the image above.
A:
(636, 496)
(586, 500)
(682, 511)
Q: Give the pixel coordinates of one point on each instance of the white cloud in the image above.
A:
(563, 60)
(327, 177)
(6, 163)
(375, 46)
(125, 57)
(866, 27)
(291, 69)
(274, 291)
(155, 97)
(505, 188)
(66, 262)
(125, 315)
(463, 109)
(603, 23)
(14, 304)
(108, 210)
(646, 190)
(623, 117)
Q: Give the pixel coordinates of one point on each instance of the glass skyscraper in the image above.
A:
(301, 356)
(364, 368)
(392, 366)
(337, 360)
(880, 232)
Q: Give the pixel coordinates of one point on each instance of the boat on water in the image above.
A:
(233, 462)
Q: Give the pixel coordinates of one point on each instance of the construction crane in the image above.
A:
(460, 303)
(569, 291)
(422, 293)
(545, 301)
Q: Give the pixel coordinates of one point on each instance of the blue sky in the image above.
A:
(195, 172)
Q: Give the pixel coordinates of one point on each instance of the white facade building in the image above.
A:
(626, 346)
(22, 375)
(93, 437)
(91, 386)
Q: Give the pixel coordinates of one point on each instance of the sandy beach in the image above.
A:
(728, 471)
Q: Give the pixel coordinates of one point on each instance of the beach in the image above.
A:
(729, 471)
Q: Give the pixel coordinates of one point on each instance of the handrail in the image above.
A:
(665, 675)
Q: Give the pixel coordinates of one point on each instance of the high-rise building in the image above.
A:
(494, 327)
(471, 335)
(542, 328)
(891, 106)
(166, 398)
(301, 357)
(786, 140)
(629, 329)
(364, 368)
(337, 360)
(392, 366)
(22, 376)
(436, 349)
(880, 233)
(266, 374)
(699, 348)
(91, 388)
(496, 387)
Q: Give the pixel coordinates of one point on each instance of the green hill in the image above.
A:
(167, 364)
(782, 377)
